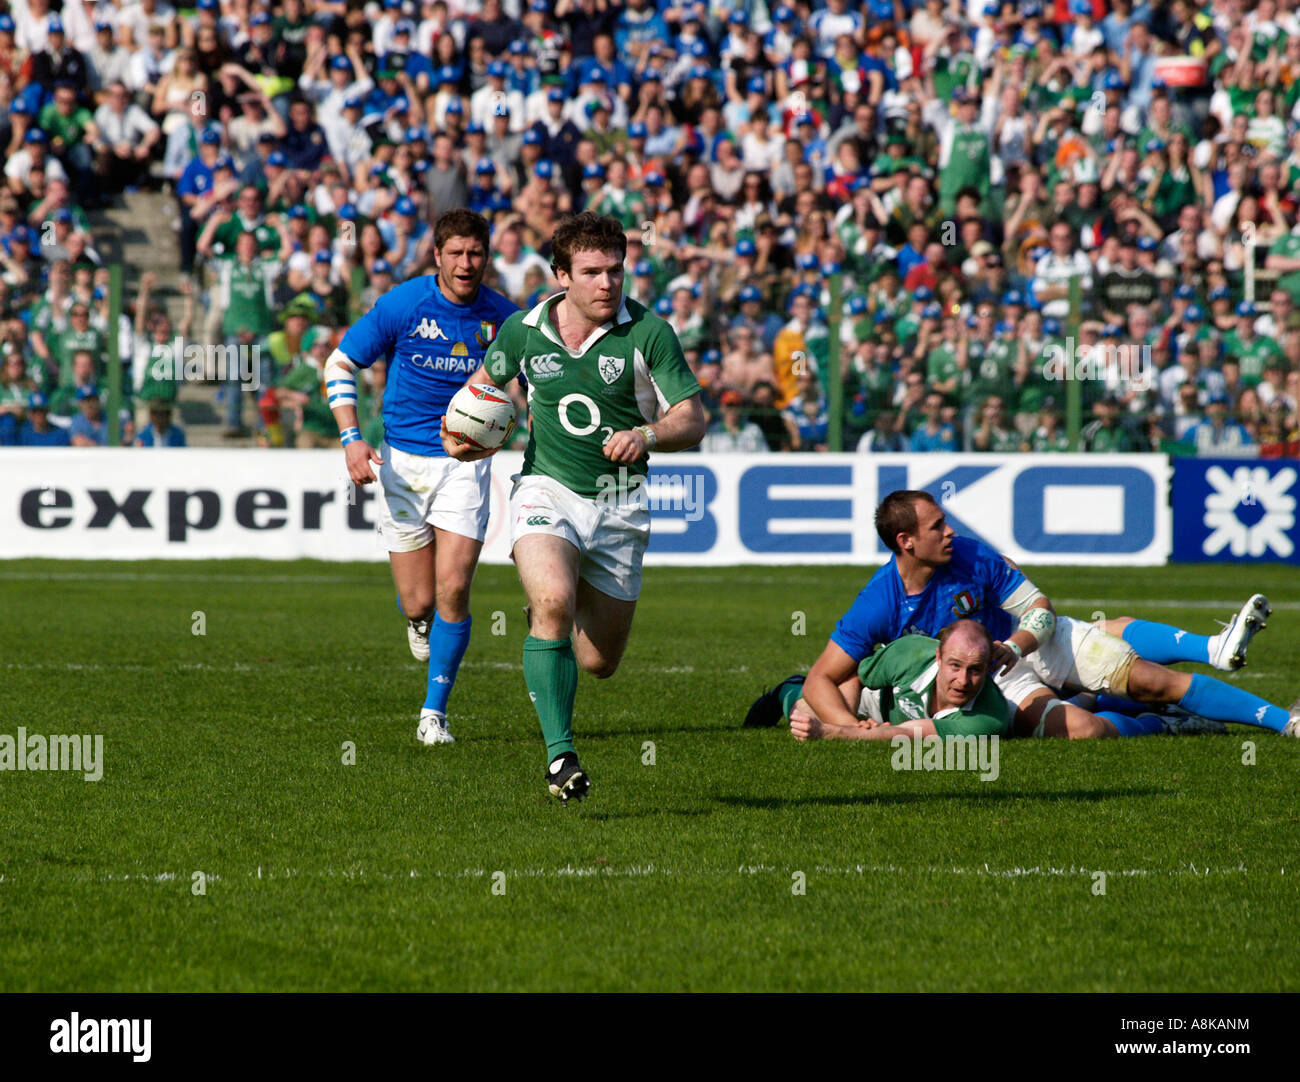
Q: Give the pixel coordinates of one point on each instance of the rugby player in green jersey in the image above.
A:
(918, 686)
(607, 384)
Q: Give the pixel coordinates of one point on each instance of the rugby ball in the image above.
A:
(481, 415)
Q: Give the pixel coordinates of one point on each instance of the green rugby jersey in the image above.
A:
(622, 376)
(904, 672)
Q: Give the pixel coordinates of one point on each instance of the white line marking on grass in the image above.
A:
(342, 666)
(155, 576)
(653, 871)
(1233, 604)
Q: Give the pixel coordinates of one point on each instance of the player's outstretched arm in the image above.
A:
(821, 688)
(341, 389)
(804, 728)
(681, 427)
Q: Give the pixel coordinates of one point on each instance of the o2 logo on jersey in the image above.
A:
(544, 366)
(428, 328)
(593, 417)
(593, 414)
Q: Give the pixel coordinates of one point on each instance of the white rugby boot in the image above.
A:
(433, 728)
(1228, 647)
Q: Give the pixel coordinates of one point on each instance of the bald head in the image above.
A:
(965, 649)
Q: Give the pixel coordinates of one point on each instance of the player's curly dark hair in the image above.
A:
(897, 514)
(461, 222)
(586, 232)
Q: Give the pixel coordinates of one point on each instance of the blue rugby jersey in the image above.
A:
(972, 586)
(435, 345)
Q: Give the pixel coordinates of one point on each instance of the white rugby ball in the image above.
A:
(481, 415)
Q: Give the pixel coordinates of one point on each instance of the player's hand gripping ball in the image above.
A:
(480, 415)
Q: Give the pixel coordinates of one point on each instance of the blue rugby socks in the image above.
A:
(447, 645)
(1164, 644)
(1142, 725)
(1213, 698)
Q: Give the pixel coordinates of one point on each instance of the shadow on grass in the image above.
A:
(648, 813)
(846, 800)
(657, 730)
(580, 734)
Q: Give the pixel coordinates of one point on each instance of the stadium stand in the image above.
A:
(266, 170)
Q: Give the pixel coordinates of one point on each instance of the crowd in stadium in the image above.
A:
(953, 166)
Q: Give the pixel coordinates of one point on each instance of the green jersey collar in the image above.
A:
(536, 319)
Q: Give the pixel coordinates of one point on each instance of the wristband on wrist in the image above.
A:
(1016, 647)
(648, 434)
(349, 435)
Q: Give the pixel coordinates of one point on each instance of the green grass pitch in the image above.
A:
(223, 754)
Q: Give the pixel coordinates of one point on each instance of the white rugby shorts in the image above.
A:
(422, 492)
(611, 537)
(1078, 657)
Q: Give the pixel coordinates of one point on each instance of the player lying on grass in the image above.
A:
(434, 513)
(918, 686)
(600, 370)
(934, 576)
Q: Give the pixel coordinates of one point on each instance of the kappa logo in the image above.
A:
(544, 366)
(428, 328)
(610, 368)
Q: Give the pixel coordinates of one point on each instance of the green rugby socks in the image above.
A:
(551, 673)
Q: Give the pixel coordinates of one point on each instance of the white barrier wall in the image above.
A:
(707, 509)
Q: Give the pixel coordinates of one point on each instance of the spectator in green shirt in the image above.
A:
(1252, 351)
(72, 131)
(1106, 434)
(16, 390)
(302, 391)
(79, 336)
(1049, 436)
(993, 432)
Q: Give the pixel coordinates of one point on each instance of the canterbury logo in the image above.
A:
(545, 366)
(428, 328)
(538, 520)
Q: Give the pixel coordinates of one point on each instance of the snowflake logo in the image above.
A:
(1268, 497)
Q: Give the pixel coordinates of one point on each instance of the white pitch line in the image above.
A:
(689, 578)
(243, 666)
(653, 871)
(149, 576)
(1232, 604)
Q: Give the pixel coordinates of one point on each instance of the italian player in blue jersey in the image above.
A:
(433, 517)
(935, 577)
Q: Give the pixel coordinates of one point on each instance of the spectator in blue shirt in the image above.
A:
(87, 428)
(1217, 435)
(160, 432)
(37, 430)
(305, 145)
(638, 25)
(195, 183)
(807, 413)
(934, 434)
